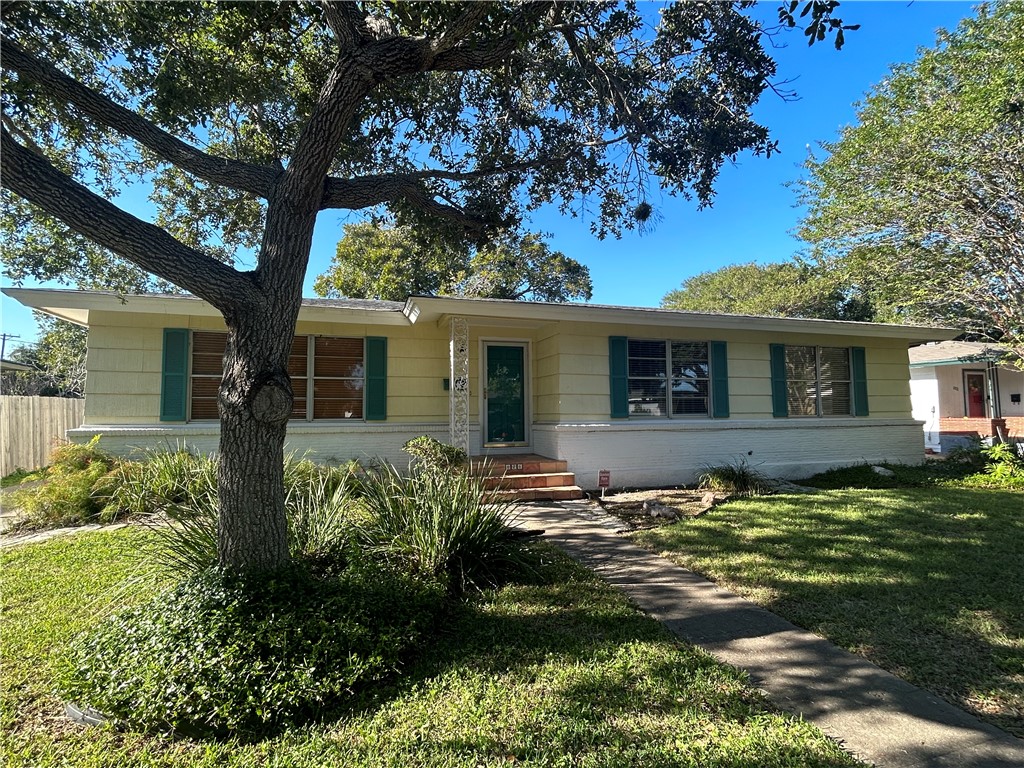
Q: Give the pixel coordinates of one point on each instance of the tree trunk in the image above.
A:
(255, 398)
(255, 403)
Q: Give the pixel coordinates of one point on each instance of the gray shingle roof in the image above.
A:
(947, 351)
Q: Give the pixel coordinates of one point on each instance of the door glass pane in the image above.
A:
(974, 395)
(506, 411)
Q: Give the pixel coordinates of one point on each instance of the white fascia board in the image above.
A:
(352, 315)
(427, 308)
(74, 306)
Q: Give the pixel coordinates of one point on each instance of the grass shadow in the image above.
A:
(925, 582)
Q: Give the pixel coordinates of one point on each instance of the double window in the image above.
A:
(657, 378)
(332, 377)
(327, 376)
(668, 378)
(818, 381)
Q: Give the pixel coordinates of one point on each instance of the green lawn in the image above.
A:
(926, 582)
(559, 673)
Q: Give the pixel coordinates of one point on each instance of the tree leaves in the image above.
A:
(921, 203)
(786, 289)
(379, 262)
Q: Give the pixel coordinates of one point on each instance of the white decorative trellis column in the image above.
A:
(458, 390)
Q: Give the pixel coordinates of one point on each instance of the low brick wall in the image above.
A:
(968, 427)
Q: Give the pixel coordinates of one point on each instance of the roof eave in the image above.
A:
(429, 308)
(75, 306)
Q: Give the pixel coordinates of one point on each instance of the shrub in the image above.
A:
(72, 492)
(433, 454)
(440, 525)
(735, 477)
(220, 655)
(162, 479)
(316, 505)
(1003, 468)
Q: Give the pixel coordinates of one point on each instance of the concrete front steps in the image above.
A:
(528, 477)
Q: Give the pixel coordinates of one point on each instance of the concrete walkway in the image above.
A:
(876, 716)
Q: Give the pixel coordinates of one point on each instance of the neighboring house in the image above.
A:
(11, 365)
(651, 395)
(965, 391)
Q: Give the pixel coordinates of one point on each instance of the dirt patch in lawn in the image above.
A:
(654, 507)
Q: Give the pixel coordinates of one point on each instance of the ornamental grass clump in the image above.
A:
(161, 479)
(441, 525)
(318, 503)
(736, 477)
(221, 654)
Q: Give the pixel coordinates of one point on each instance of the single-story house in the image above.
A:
(965, 391)
(649, 395)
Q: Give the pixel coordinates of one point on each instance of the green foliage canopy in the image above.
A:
(58, 357)
(921, 203)
(786, 289)
(375, 262)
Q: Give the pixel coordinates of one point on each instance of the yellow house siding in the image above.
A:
(124, 361)
(583, 369)
(546, 371)
(568, 365)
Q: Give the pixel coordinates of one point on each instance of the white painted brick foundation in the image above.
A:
(639, 454)
(658, 454)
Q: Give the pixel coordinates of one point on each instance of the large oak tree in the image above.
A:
(248, 119)
(920, 204)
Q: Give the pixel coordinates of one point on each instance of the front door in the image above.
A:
(974, 394)
(505, 395)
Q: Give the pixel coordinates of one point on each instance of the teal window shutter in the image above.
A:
(376, 378)
(859, 367)
(719, 380)
(780, 407)
(174, 375)
(618, 366)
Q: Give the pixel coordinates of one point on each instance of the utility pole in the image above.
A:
(3, 342)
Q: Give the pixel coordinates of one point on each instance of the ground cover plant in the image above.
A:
(924, 581)
(556, 671)
(996, 466)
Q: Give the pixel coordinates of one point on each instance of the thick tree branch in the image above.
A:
(346, 21)
(32, 177)
(234, 174)
(368, 191)
(457, 31)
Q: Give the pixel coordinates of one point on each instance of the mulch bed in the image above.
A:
(653, 508)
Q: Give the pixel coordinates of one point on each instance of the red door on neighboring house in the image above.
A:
(974, 394)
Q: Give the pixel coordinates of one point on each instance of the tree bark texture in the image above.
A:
(255, 403)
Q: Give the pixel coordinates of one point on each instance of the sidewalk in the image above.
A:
(876, 716)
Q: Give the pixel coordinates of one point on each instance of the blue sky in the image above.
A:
(754, 213)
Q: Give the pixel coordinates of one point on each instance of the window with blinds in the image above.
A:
(818, 381)
(668, 379)
(328, 369)
(338, 375)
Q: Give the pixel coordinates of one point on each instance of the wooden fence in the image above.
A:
(30, 425)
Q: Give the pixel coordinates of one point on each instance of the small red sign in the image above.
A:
(604, 478)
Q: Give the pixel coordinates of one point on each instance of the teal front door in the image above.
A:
(504, 394)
